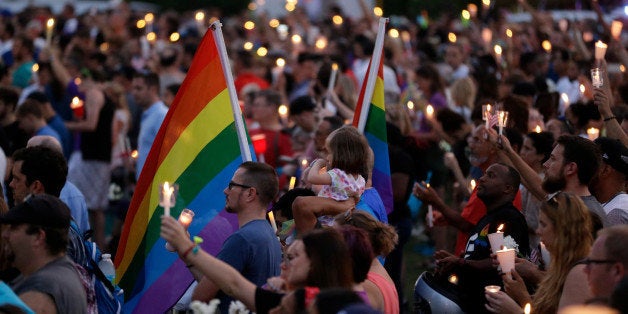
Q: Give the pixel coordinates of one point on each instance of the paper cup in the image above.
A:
(506, 259)
(497, 240)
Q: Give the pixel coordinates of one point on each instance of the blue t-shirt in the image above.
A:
(56, 123)
(372, 203)
(254, 251)
(47, 130)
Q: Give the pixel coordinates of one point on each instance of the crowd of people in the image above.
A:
(83, 95)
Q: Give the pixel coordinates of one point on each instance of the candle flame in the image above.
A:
(427, 185)
(50, 23)
(429, 110)
(281, 62)
(337, 19)
(453, 279)
(473, 184)
(378, 11)
(262, 51)
(304, 162)
(151, 36)
(394, 33)
(499, 229)
(537, 129)
(283, 110)
(149, 17)
(273, 23)
(582, 88)
(140, 24)
(509, 33)
(486, 3)
(452, 37)
(296, 39)
(498, 50)
(35, 67)
(410, 105)
(547, 46)
(248, 45)
(527, 308)
(321, 43)
(134, 154)
(334, 66)
(249, 25)
(466, 14)
(174, 37)
(199, 16)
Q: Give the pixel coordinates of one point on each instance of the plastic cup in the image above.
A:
(506, 260)
(185, 218)
(497, 240)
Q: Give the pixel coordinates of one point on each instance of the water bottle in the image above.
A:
(107, 268)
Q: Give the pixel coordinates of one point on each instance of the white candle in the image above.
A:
(185, 218)
(430, 216)
(498, 54)
(486, 114)
(502, 120)
(166, 194)
(200, 20)
(332, 77)
(593, 133)
(616, 27)
(273, 224)
(49, 27)
(600, 50)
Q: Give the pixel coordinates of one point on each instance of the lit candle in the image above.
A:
(498, 54)
(283, 113)
(332, 77)
(527, 308)
(453, 279)
(486, 4)
(185, 218)
(600, 50)
(472, 185)
(293, 182)
(616, 27)
(149, 18)
(167, 192)
(547, 46)
(273, 224)
(537, 129)
(410, 105)
(486, 115)
(200, 20)
(593, 133)
(429, 111)
(496, 239)
(492, 289)
(49, 27)
(502, 120)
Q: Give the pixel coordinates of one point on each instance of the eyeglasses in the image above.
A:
(588, 261)
(232, 184)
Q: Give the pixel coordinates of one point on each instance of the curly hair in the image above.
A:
(571, 222)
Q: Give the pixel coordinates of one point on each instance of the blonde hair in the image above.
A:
(463, 92)
(398, 115)
(571, 221)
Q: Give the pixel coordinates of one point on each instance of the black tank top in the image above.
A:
(96, 145)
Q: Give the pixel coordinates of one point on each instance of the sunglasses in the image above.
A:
(232, 184)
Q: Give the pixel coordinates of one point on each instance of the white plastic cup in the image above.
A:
(497, 240)
(492, 289)
(506, 258)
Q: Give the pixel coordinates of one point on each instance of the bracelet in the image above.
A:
(186, 252)
(610, 118)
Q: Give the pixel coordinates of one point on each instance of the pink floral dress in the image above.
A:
(342, 186)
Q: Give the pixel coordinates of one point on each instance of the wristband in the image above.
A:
(186, 252)
(610, 118)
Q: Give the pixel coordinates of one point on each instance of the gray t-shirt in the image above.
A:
(596, 208)
(60, 281)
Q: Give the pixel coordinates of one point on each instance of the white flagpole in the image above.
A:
(371, 77)
(216, 27)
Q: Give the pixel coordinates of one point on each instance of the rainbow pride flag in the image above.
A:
(198, 147)
(370, 119)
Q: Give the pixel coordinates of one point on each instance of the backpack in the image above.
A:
(109, 298)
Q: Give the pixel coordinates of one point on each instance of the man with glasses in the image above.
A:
(253, 249)
(607, 263)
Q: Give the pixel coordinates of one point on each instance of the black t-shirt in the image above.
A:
(472, 281)
(401, 162)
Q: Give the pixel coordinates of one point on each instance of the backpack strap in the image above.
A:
(92, 259)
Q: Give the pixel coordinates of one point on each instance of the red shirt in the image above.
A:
(473, 212)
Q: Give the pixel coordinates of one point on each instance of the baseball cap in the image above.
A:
(614, 153)
(42, 210)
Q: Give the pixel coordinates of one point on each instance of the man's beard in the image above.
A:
(551, 185)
